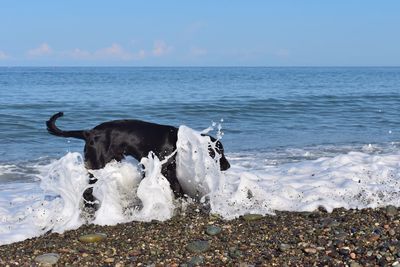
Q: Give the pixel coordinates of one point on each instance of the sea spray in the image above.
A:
(197, 172)
(65, 180)
(115, 190)
(52, 205)
(154, 192)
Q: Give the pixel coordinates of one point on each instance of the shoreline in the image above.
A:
(364, 237)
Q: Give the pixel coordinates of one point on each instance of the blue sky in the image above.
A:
(200, 33)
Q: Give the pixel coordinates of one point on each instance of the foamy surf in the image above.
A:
(350, 180)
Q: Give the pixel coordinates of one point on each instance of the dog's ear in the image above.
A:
(218, 148)
(223, 162)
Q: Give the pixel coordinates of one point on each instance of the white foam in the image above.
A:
(113, 190)
(197, 173)
(370, 178)
(154, 192)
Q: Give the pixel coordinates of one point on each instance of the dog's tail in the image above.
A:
(54, 130)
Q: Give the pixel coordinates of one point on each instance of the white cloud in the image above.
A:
(160, 48)
(3, 55)
(42, 50)
(115, 51)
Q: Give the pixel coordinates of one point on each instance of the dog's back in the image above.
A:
(136, 137)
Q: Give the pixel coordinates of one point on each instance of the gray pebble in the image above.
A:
(234, 253)
(391, 210)
(196, 260)
(47, 259)
(213, 230)
(198, 246)
(392, 232)
(284, 247)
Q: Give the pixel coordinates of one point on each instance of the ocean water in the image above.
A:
(297, 139)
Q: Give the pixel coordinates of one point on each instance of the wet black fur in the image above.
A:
(114, 140)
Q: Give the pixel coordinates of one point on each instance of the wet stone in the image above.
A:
(198, 246)
(355, 264)
(234, 253)
(109, 260)
(92, 238)
(373, 238)
(391, 210)
(284, 247)
(252, 217)
(310, 250)
(213, 230)
(344, 252)
(196, 260)
(47, 259)
(392, 232)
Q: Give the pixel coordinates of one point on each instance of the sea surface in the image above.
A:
(297, 138)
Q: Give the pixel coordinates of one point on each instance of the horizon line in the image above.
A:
(200, 66)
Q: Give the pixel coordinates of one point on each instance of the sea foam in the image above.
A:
(349, 180)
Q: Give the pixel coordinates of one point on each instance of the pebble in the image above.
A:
(196, 260)
(344, 251)
(391, 210)
(215, 216)
(234, 253)
(47, 259)
(92, 238)
(310, 250)
(284, 247)
(109, 260)
(252, 217)
(135, 252)
(373, 238)
(198, 246)
(355, 264)
(213, 230)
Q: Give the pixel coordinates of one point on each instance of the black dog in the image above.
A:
(120, 138)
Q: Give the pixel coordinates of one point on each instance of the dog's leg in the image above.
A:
(169, 171)
(92, 162)
(89, 200)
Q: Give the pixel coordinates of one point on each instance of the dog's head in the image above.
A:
(219, 148)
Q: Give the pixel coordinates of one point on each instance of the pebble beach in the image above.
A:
(194, 237)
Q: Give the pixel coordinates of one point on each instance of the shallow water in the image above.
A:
(297, 138)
